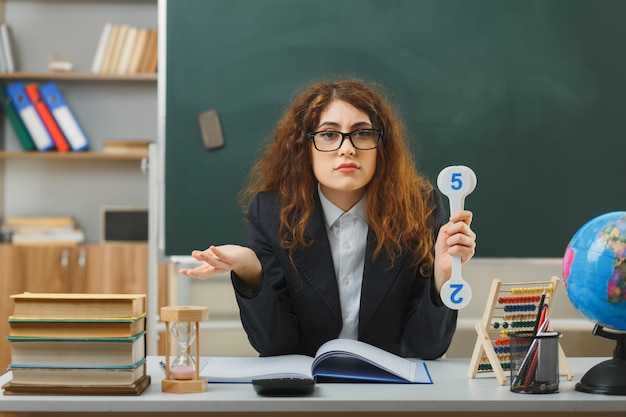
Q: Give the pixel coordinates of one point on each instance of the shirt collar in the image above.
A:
(332, 212)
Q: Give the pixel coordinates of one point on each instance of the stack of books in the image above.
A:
(125, 50)
(54, 230)
(41, 118)
(92, 344)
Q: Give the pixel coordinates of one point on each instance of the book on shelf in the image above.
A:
(152, 61)
(101, 48)
(88, 352)
(35, 229)
(108, 51)
(136, 388)
(26, 141)
(49, 237)
(77, 305)
(25, 108)
(148, 60)
(76, 327)
(3, 60)
(138, 48)
(61, 144)
(116, 52)
(77, 376)
(126, 51)
(127, 147)
(39, 221)
(336, 360)
(64, 116)
(7, 48)
(42, 230)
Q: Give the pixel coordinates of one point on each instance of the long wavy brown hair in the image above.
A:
(399, 204)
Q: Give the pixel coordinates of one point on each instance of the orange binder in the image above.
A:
(61, 143)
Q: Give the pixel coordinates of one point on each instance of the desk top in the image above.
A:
(452, 391)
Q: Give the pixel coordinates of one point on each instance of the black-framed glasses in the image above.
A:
(331, 140)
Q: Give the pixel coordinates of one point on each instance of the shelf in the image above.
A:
(83, 156)
(77, 76)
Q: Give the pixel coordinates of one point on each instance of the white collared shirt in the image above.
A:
(347, 235)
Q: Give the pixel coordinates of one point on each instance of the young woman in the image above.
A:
(346, 238)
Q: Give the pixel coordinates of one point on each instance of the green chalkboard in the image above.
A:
(531, 94)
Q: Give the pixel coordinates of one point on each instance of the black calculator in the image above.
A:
(278, 387)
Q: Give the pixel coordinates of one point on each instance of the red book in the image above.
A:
(47, 118)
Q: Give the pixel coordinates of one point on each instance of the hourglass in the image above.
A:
(181, 375)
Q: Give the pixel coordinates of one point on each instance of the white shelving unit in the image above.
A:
(106, 106)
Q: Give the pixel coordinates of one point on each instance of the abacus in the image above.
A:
(511, 307)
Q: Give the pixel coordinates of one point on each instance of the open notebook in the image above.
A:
(336, 360)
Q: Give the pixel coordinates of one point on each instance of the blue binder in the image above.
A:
(29, 116)
(64, 116)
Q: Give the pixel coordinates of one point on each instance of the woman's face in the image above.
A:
(343, 174)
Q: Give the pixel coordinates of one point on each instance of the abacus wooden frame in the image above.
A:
(484, 344)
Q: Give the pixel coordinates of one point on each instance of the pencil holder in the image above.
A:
(534, 362)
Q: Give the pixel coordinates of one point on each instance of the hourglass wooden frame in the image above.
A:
(192, 315)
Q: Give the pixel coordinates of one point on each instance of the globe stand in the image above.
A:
(608, 377)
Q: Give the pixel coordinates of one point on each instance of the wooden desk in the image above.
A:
(451, 394)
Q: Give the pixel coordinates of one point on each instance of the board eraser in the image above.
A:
(211, 129)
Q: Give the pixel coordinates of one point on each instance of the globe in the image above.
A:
(594, 270)
(594, 274)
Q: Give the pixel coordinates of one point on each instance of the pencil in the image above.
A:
(539, 312)
(531, 370)
(526, 368)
